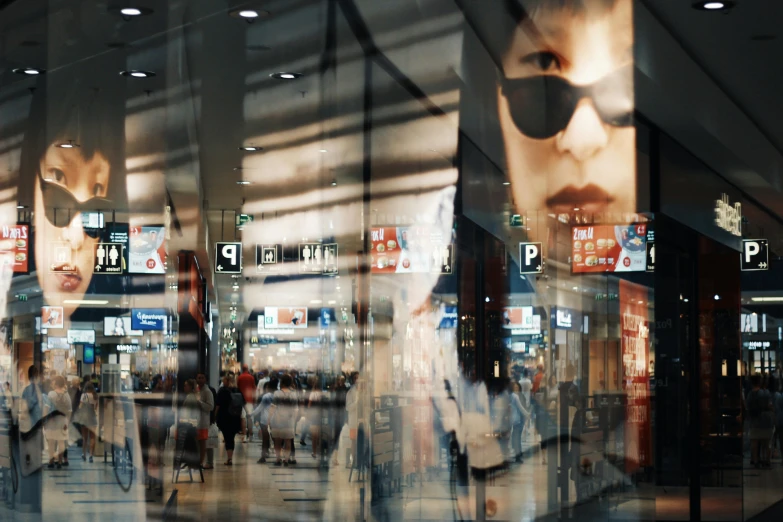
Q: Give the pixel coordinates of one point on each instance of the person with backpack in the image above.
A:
(282, 419)
(758, 405)
(228, 414)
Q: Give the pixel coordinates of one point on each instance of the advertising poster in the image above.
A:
(147, 250)
(118, 327)
(285, 317)
(636, 379)
(57, 343)
(81, 336)
(15, 247)
(410, 250)
(149, 319)
(52, 317)
(609, 248)
(520, 317)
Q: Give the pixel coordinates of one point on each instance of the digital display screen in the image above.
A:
(118, 327)
(89, 354)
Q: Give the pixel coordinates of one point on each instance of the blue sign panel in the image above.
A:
(449, 319)
(148, 319)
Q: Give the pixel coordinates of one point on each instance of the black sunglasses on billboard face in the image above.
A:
(56, 197)
(541, 106)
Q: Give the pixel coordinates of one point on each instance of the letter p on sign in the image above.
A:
(530, 258)
(230, 253)
(751, 249)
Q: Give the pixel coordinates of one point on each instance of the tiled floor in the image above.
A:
(249, 491)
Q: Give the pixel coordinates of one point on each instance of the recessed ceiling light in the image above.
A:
(323, 151)
(334, 182)
(68, 145)
(286, 75)
(713, 5)
(129, 11)
(20, 206)
(250, 148)
(249, 15)
(243, 183)
(135, 73)
(506, 183)
(29, 71)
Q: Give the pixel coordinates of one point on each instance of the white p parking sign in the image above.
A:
(228, 258)
(755, 255)
(531, 258)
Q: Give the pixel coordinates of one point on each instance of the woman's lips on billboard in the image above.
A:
(68, 282)
(571, 197)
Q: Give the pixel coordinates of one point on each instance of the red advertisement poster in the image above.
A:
(609, 248)
(15, 247)
(635, 346)
(410, 250)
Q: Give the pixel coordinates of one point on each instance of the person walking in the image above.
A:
(519, 415)
(282, 417)
(228, 414)
(757, 405)
(262, 414)
(206, 404)
(88, 418)
(313, 414)
(247, 387)
(56, 426)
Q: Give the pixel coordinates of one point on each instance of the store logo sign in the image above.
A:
(727, 217)
(563, 318)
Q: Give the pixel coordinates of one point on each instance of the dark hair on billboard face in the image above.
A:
(72, 163)
(551, 82)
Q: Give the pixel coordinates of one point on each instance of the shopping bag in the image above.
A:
(212, 440)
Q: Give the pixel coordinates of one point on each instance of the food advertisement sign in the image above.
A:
(147, 250)
(609, 248)
(15, 247)
(410, 250)
(636, 379)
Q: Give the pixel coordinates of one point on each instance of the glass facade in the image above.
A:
(369, 260)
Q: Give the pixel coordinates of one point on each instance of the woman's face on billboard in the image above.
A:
(566, 106)
(64, 252)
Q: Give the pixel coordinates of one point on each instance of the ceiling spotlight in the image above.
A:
(713, 5)
(249, 15)
(286, 75)
(138, 74)
(20, 206)
(69, 145)
(334, 182)
(251, 148)
(506, 183)
(129, 12)
(323, 151)
(29, 71)
(243, 183)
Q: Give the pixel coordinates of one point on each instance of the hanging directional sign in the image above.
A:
(228, 258)
(318, 258)
(755, 255)
(650, 256)
(108, 258)
(269, 258)
(531, 259)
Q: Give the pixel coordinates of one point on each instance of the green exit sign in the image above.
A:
(22, 297)
(516, 221)
(243, 219)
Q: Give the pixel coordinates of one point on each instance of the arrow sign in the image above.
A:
(530, 258)
(228, 258)
(754, 255)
